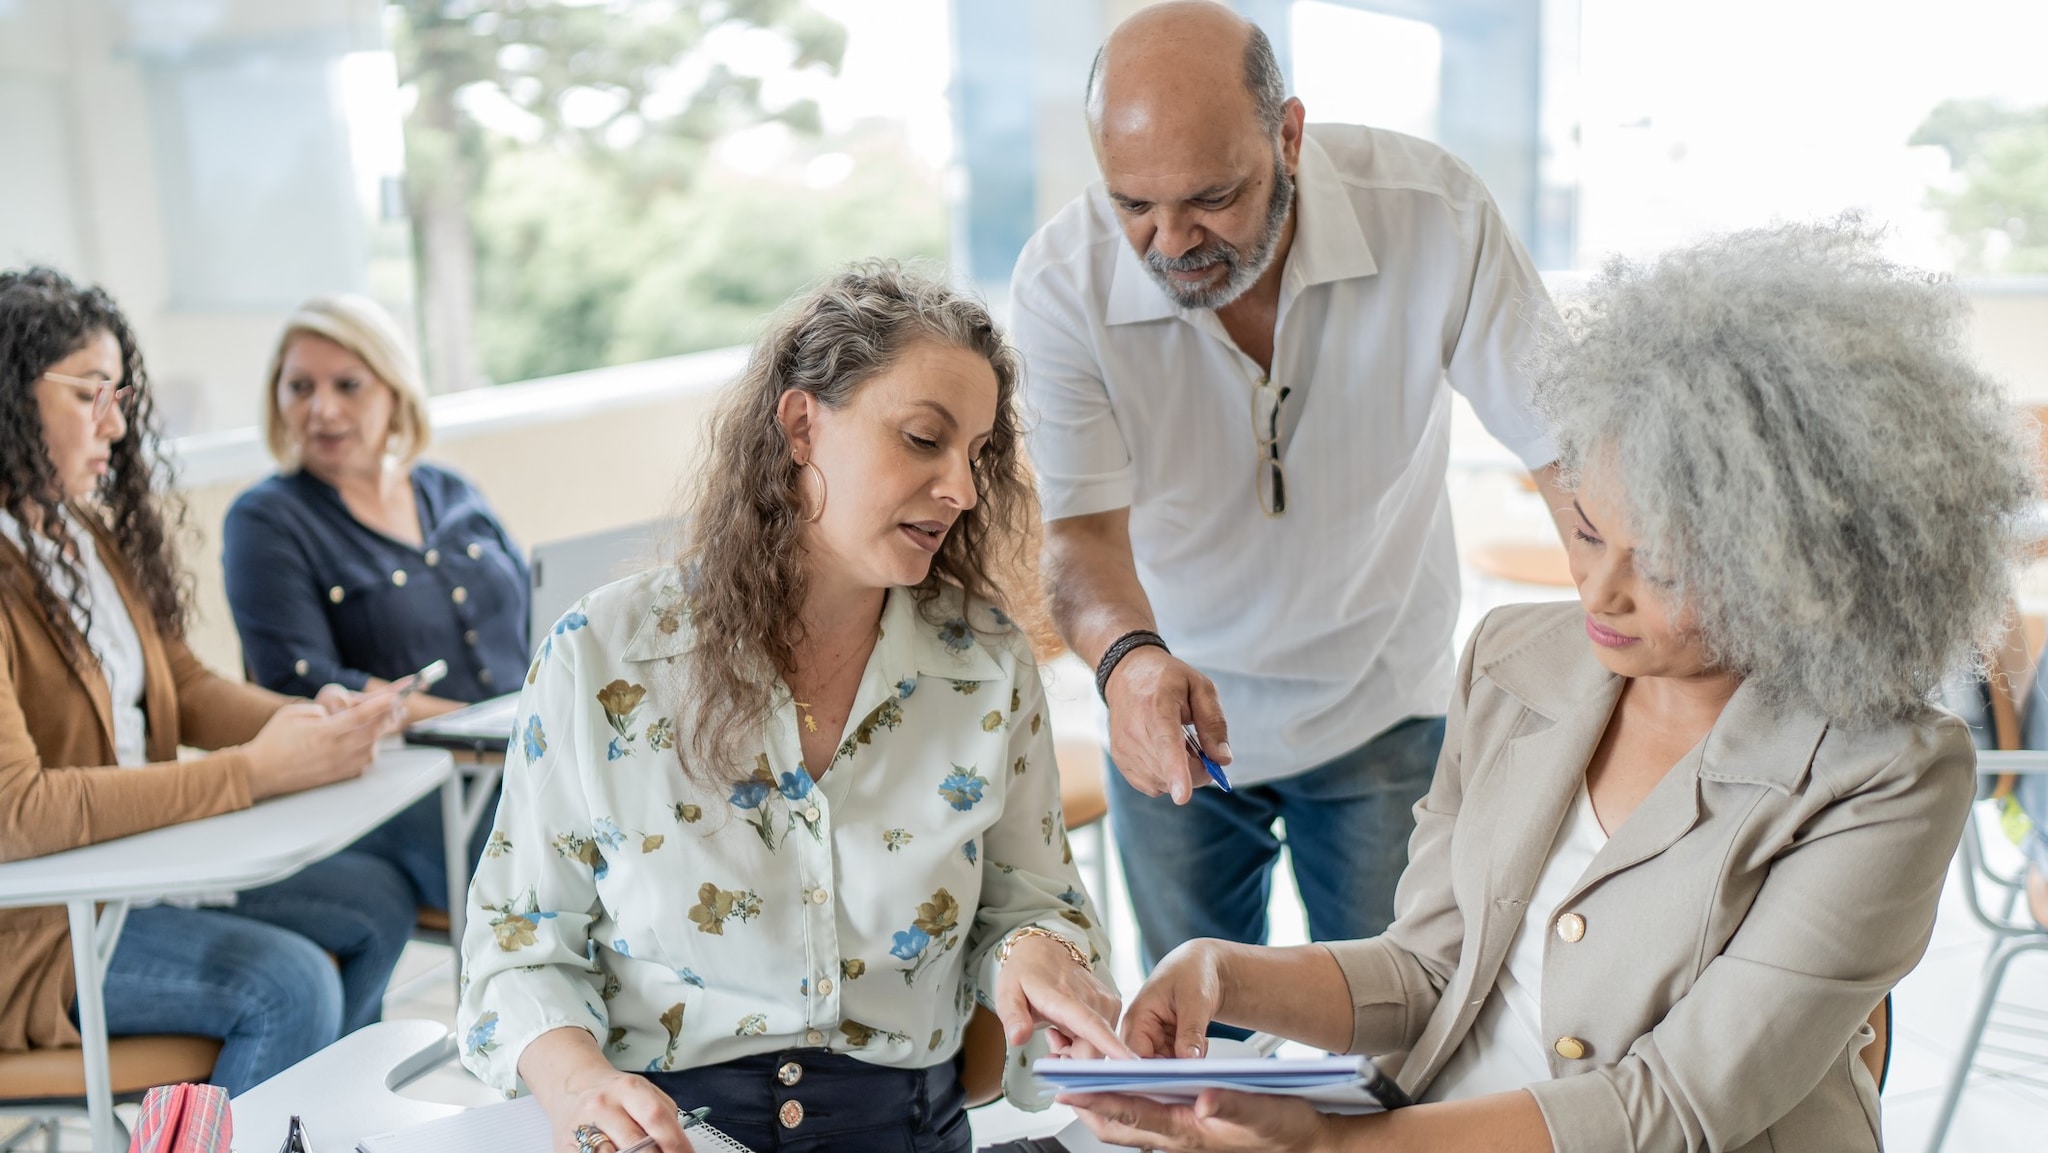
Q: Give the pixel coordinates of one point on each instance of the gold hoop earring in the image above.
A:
(820, 474)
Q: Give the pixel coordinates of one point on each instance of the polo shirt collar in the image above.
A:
(1328, 246)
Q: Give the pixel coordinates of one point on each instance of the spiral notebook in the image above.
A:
(507, 1127)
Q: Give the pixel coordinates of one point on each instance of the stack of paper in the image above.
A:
(1331, 1084)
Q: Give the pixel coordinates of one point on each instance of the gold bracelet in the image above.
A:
(1073, 950)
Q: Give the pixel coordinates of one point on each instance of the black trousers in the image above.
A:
(805, 1100)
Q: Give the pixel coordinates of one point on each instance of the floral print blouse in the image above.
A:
(686, 926)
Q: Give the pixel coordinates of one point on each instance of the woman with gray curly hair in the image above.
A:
(1688, 832)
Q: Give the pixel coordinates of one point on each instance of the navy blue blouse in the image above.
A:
(318, 597)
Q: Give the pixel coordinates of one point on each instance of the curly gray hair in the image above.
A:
(1811, 462)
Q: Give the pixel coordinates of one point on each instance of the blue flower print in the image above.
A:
(615, 750)
(749, 794)
(534, 740)
(910, 944)
(905, 687)
(796, 786)
(962, 789)
(570, 622)
(970, 852)
(606, 832)
(1072, 898)
(956, 635)
(619, 946)
(689, 977)
(999, 616)
(480, 1034)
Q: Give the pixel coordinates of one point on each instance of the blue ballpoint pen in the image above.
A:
(1187, 733)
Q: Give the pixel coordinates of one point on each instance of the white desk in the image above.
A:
(256, 846)
(347, 1091)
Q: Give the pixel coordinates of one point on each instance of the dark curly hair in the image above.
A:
(45, 317)
(744, 565)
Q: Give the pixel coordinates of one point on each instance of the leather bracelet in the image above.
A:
(1119, 649)
(1073, 950)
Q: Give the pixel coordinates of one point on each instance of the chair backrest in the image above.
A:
(563, 570)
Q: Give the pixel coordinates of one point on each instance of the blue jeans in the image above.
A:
(259, 975)
(1205, 869)
(2032, 794)
(412, 841)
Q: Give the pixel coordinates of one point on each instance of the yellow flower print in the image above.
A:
(895, 839)
(716, 906)
(938, 916)
(856, 1034)
(1016, 700)
(1034, 724)
(993, 721)
(752, 1025)
(620, 702)
(967, 688)
(650, 842)
(1077, 917)
(689, 814)
(615, 1040)
(1018, 767)
(499, 844)
(1045, 826)
(938, 1035)
(661, 735)
(672, 1020)
(513, 932)
(852, 969)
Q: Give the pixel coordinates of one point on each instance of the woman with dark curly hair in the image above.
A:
(1688, 832)
(821, 729)
(97, 693)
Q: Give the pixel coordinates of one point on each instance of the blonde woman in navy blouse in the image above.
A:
(358, 563)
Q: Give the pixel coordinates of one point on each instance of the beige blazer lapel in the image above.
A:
(76, 655)
(1567, 705)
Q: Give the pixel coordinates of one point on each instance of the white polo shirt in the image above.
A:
(1325, 626)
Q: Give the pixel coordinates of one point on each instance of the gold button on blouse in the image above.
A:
(791, 1114)
(433, 557)
(824, 986)
(334, 594)
(460, 595)
(1570, 1048)
(820, 896)
(469, 637)
(1571, 927)
(474, 550)
(398, 577)
(790, 1073)
(301, 667)
(814, 1037)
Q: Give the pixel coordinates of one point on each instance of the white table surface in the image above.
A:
(241, 850)
(344, 1092)
(256, 846)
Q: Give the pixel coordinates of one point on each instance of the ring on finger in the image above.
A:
(589, 1138)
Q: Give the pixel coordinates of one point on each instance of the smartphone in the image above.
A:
(424, 679)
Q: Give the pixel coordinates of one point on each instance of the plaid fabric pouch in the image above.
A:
(183, 1119)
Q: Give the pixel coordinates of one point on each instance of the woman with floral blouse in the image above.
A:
(777, 818)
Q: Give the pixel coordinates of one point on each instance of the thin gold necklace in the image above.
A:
(811, 722)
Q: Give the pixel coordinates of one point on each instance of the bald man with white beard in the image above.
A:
(1240, 350)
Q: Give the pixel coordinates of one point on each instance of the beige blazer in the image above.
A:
(59, 788)
(1738, 929)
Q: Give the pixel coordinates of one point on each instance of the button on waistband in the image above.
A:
(790, 1073)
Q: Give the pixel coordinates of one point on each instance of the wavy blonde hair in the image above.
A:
(361, 326)
(742, 555)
